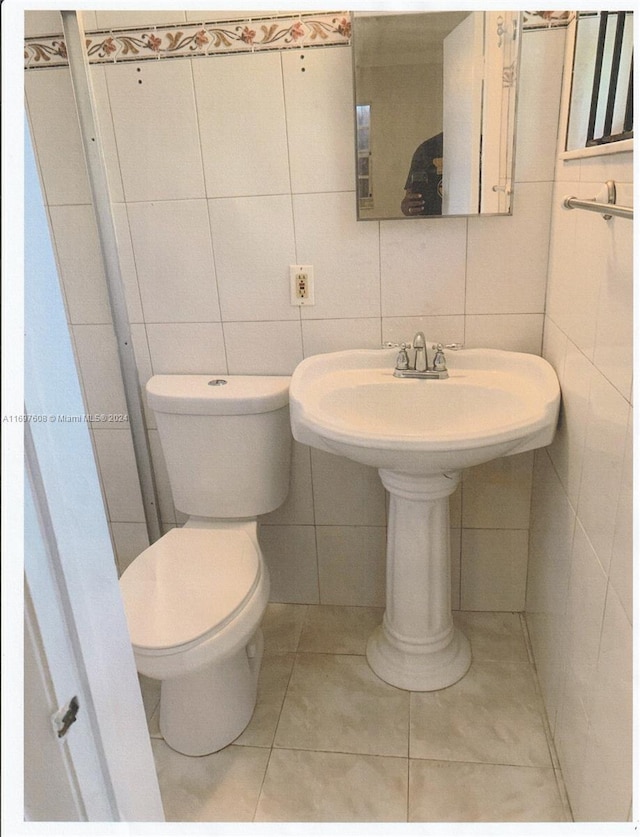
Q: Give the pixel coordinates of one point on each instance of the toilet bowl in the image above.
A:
(194, 601)
(195, 598)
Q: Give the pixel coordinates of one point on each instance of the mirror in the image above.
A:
(435, 96)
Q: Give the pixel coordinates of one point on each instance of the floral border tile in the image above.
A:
(214, 38)
(222, 37)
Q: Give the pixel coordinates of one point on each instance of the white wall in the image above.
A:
(206, 239)
(579, 594)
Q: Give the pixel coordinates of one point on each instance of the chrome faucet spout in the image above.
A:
(419, 344)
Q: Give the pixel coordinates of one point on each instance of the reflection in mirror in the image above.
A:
(601, 110)
(435, 97)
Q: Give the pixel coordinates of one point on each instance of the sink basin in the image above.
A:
(493, 403)
(421, 434)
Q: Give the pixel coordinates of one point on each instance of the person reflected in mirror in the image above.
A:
(423, 189)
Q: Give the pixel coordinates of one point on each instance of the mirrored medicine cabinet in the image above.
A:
(435, 101)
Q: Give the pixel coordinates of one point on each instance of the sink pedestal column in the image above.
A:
(417, 646)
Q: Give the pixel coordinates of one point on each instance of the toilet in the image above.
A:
(195, 598)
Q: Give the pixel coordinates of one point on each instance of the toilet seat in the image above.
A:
(188, 586)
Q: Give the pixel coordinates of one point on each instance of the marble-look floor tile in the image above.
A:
(303, 786)
(222, 787)
(493, 636)
(461, 792)
(275, 672)
(336, 703)
(493, 714)
(331, 629)
(281, 626)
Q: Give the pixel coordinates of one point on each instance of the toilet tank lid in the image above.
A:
(207, 395)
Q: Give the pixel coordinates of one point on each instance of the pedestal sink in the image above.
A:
(421, 434)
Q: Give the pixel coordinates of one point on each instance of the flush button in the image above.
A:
(217, 382)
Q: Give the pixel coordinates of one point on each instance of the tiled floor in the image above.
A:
(330, 742)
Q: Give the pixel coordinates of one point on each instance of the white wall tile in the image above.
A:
(319, 336)
(455, 550)
(621, 569)
(497, 495)
(143, 365)
(172, 248)
(242, 124)
(613, 353)
(114, 451)
(455, 507)
(493, 569)
(346, 493)
(343, 252)
(618, 167)
(107, 134)
(156, 130)
(607, 786)
(563, 279)
(507, 257)
(42, 23)
(166, 508)
(290, 554)
(217, 14)
(107, 19)
(549, 565)
(590, 269)
(423, 267)
(80, 263)
(99, 367)
(351, 564)
(538, 104)
(186, 348)
(567, 448)
(269, 348)
(571, 733)
(252, 257)
(602, 465)
(319, 92)
(127, 263)
(56, 136)
(589, 284)
(585, 612)
(554, 346)
(129, 539)
(512, 332)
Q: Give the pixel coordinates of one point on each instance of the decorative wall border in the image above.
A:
(108, 46)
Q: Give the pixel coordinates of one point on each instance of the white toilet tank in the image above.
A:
(226, 441)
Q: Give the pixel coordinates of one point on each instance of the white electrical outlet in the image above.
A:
(301, 276)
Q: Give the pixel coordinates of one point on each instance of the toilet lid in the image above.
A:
(187, 584)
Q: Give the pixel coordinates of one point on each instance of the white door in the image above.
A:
(77, 640)
(462, 116)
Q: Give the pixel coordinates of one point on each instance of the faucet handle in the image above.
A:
(439, 360)
(402, 360)
(389, 344)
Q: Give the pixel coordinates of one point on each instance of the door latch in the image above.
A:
(66, 716)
